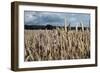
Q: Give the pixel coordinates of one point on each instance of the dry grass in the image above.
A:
(57, 44)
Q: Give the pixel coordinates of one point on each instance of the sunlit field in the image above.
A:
(56, 44)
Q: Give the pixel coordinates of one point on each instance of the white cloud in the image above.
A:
(30, 16)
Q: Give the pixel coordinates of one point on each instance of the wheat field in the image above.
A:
(56, 44)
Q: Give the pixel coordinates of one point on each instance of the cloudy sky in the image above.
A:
(55, 18)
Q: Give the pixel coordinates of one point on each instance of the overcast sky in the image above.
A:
(55, 18)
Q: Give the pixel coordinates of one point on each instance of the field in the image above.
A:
(56, 44)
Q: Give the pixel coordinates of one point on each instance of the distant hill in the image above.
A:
(41, 27)
(49, 27)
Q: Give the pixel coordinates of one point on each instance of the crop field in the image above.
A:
(56, 44)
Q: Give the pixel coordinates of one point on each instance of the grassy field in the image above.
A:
(56, 44)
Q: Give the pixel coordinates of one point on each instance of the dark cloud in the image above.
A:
(55, 18)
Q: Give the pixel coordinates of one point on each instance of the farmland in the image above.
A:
(56, 44)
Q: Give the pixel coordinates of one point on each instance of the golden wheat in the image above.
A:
(56, 44)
